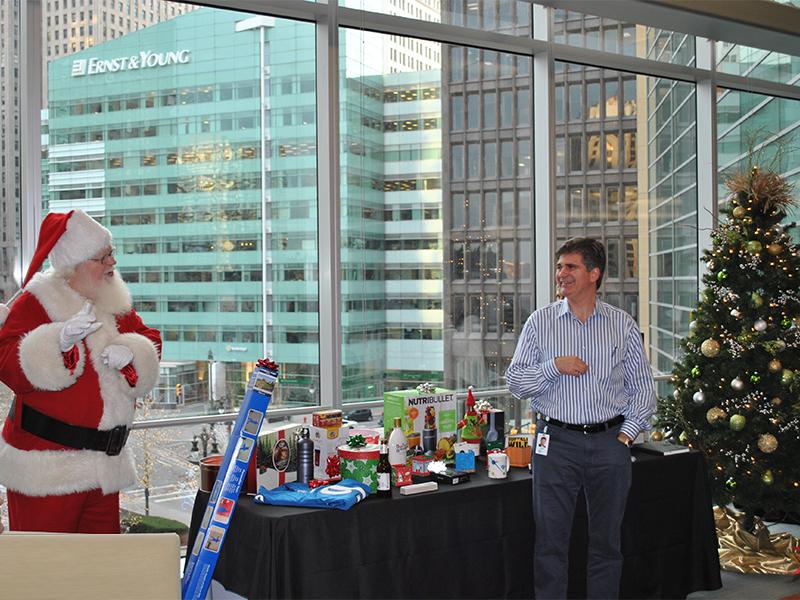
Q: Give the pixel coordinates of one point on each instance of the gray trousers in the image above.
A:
(602, 466)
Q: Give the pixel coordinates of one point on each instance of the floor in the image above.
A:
(754, 587)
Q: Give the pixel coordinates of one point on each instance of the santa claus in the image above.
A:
(76, 355)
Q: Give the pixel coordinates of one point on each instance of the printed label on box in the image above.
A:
(276, 455)
(428, 420)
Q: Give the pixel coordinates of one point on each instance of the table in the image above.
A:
(467, 541)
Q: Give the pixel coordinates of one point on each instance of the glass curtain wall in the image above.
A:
(191, 133)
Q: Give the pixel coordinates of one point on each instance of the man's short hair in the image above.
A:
(591, 250)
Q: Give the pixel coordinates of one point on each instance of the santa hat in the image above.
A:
(68, 239)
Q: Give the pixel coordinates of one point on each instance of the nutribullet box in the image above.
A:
(428, 419)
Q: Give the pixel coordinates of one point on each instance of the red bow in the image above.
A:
(315, 483)
(267, 363)
(333, 469)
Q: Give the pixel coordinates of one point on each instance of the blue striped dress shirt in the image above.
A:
(618, 381)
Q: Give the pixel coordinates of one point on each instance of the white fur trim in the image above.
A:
(60, 301)
(83, 238)
(59, 472)
(42, 362)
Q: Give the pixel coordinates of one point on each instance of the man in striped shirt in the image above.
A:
(582, 364)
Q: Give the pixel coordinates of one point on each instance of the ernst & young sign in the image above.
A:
(145, 59)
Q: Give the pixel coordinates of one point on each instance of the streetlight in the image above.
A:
(200, 445)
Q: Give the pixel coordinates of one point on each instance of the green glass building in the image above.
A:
(194, 141)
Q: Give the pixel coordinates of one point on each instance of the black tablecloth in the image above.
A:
(467, 541)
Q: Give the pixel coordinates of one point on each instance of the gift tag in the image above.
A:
(542, 443)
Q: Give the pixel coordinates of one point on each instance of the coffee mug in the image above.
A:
(497, 465)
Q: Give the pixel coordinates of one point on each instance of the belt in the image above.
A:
(588, 428)
(110, 441)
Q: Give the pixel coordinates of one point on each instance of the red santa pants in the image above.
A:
(81, 512)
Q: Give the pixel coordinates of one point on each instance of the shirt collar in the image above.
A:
(600, 308)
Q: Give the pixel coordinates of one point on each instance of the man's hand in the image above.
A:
(116, 356)
(571, 365)
(623, 438)
(78, 326)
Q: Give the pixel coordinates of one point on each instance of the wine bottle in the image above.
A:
(384, 472)
(305, 456)
(398, 444)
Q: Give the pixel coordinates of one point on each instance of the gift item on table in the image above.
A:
(419, 488)
(341, 495)
(330, 419)
(518, 449)
(401, 475)
(275, 456)
(428, 418)
(372, 435)
(419, 464)
(444, 474)
(465, 457)
(327, 433)
(360, 462)
(497, 464)
(495, 435)
(470, 425)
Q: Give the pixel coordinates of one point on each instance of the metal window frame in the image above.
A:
(328, 17)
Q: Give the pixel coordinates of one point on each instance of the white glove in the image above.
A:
(116, 356)
(78, 326)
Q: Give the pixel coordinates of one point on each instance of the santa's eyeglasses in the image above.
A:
(106, 257)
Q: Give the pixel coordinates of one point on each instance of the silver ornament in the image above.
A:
(760, 325)
(676, 394)
(692, 324)
(737, 384)
(735, 313)
(699, 397)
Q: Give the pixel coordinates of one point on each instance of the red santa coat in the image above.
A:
(92, 395)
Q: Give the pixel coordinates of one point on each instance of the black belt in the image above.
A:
(588, 428)
(110, 441)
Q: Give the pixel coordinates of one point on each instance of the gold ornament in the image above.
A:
(767, 443)
(656, 436)
(714, 415)
(710, 348)
(767, 477)
(739, 212)
(774, 249)
(776, 401)
(775, 366)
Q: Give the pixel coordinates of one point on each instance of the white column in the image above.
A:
(544, 163)
(330, 289)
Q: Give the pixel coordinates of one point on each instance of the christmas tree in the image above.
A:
(737, 385)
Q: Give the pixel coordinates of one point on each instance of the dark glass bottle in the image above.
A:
(384, 472)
